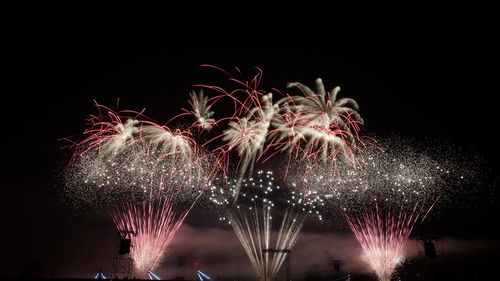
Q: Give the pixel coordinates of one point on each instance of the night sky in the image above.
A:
(432, 80)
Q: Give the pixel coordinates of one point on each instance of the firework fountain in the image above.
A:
(253, 215)
(150, 176)
(383, 199)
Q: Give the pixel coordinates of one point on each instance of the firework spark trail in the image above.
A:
(392, 192)
(253, 229)
(383, 235)
(248, 125)
(291, 226)
(317, 126)
(162, 142)
(112, 133)
(126, 156)
(155, 186)
(252, 220)
(248, 136)
(142, 170)
(201, 110)
(249, 89)
(151, 227)
(314, 127)
(144, 194)
(108, 133)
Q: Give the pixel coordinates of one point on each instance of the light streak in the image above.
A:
(383, 234)
(153, 276)
(252, 220)
(153, 225)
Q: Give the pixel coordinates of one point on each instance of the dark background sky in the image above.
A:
(426, 75)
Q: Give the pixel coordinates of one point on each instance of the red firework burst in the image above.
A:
(109, 132)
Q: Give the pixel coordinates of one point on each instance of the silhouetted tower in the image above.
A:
(121, 265)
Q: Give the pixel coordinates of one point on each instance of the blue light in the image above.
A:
(204, 275)
(153, 276)
(99, 275)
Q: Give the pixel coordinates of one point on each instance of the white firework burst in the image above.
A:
(317, 124)
(123, 136)
(201, 110)
(162, 141)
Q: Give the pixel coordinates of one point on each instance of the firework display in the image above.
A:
(151, 226)
(151, 175)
